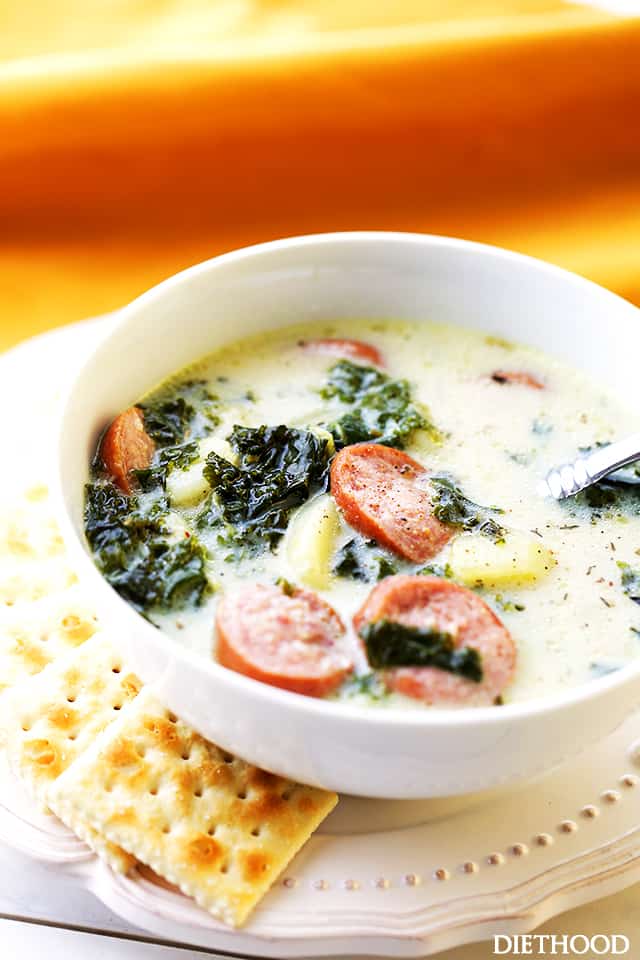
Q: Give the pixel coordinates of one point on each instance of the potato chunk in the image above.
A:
(189, 486)
(310, 540)
(521, 558)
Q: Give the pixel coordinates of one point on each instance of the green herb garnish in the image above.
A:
(278, 469)
(391, 644)
(541, 427)
(380, 409)
(451, 506)
(602, 668)
(286, 586)
(494, 341)
(442, 570)
(365, 684)
(630, 580)
(361, 559)
(520, 457)
(509, 606)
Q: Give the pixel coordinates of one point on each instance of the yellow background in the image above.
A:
(139, 136)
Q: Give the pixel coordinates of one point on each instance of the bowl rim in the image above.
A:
(418, 718)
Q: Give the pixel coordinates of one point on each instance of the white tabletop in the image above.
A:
(43, 914)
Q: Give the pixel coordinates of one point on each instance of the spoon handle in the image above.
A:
(570, 478)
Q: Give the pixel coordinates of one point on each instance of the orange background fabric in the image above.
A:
(140, 136)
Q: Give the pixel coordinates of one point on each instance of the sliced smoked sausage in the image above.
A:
(356, 350)
(290, 640)
(384, 494)
(517, 376)
(432, 602)
(126, 446)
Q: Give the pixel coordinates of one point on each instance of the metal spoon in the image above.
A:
(570, 478)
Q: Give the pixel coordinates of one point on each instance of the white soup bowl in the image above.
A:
(385, 752)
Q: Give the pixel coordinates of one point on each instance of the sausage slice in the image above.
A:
(517, 376)
(290, 641)
(126, 446)
(417, 601)
(356, 350)
(384, 494)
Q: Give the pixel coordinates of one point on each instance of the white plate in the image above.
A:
(396, 879)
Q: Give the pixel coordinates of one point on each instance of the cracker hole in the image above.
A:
(117, 706)
(185, 755)
(26, 727)
(153, 791)
(255, 832)
(173, 718)
(227, 758)
(166, 828)
(242, 795)
(72, 736)
(71, 699)
(198, 793)
(115, 669)
(287, 795)
(211, 831)
(224, 868)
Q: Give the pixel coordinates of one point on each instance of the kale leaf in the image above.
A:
(180, 412)
(361, 559)
(381, 409)
(132, 550)
(630, 580)
(451, 506)
(618, 495)
(165, 460)
(278, 469)
(168, 576)
(391, 644)
(349, 381)
(167, 421)
(609, 498)
(114, 525)
(174, 418)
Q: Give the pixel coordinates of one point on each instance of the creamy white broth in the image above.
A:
(570, 624)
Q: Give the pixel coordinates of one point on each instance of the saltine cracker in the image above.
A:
(217, 827)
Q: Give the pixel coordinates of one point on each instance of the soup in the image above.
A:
(349, 510)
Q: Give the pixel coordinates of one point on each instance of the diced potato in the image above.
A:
(310, 540)
(521, 558)
(325, 435)
(216, 445)
(189, 486)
